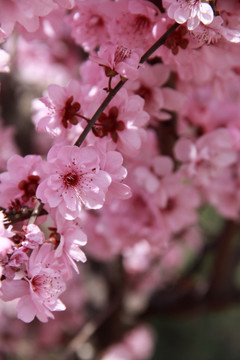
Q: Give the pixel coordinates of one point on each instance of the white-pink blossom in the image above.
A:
(191, 11)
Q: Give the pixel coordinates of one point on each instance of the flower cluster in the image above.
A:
(167, 143)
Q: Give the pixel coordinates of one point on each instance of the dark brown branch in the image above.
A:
(25, 213)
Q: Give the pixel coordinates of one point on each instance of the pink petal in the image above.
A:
(26, 309)
(13, 289)
(205, 15)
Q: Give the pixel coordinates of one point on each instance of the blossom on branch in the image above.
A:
(73, 179)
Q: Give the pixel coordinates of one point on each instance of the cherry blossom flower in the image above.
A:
(20, 181)
(191, 11)
(33, 236)
(212, 153)
(74, 178)
(72, 238)
(16, 264)
(39, 289)
(26, 13)
(117, 59)
(137, 19)
(150, 86)
(61, 111)
(88, 21)
(123, 123)
(213, 32)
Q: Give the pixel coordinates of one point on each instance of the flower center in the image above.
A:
(145, 93)
(121, 54)
(70, 112)
(70, 179)
(108, 124)
(37, 282)
(176, 40)
(29, 187)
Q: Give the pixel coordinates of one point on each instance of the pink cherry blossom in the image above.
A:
(26, 13)
(149, 85)
(88, 21)
(137, 19)
(61, 111)
(213, 32)
(16, 264)
(212, 151)
(39, 289)
(33, 236)
(68, 247)
(73, 178)
(20, 181)
(123, 122)
(117, 59)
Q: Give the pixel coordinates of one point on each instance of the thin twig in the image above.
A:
(120, 84)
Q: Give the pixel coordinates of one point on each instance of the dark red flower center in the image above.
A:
(145, 93)
(176, 40)
(109, 124)
(29, 187)
(70, 112)
(70, 179)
